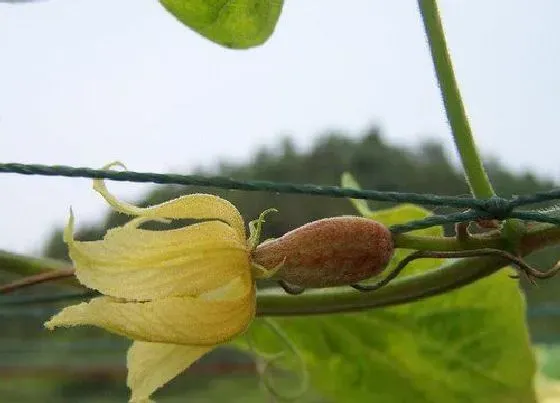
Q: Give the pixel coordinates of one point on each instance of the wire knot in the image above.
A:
(497, 207)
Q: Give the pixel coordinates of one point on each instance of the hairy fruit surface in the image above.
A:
(329, 252)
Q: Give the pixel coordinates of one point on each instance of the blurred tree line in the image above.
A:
(376, 164)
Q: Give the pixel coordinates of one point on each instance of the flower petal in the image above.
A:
(196, 206)
(214, 317)
(152, 365)
(139, 264)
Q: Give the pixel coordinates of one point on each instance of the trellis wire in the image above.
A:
(493, 208)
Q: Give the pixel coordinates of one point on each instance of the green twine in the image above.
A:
(493, 208)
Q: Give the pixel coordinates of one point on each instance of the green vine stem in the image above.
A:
(26, 265)
(23, 266)
(447, 244)
(456, 274)
(462, 134)
(274, 302)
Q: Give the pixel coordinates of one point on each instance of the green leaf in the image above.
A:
(348, 181)
(546, 381)
(550, 360)
(236, 24)
(470, 345)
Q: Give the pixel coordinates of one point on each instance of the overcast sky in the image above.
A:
(85, 82)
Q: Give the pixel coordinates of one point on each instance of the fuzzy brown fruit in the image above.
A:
(329, 252)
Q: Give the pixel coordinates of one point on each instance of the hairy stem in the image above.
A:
(22, 265)
(447, 244)
(27, 265)
(454, 108)
(36, 279)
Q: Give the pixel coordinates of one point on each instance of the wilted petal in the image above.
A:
(152, 365)
(139, 264)
(213, 318)
(195, 206)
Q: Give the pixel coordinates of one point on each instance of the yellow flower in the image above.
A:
(177, 293)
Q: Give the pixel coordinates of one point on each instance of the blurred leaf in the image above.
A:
(470, 345)
(237, 24)
(549, 359)
(546, 382)
(548, 390)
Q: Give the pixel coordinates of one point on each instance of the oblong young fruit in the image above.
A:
(329, 252)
